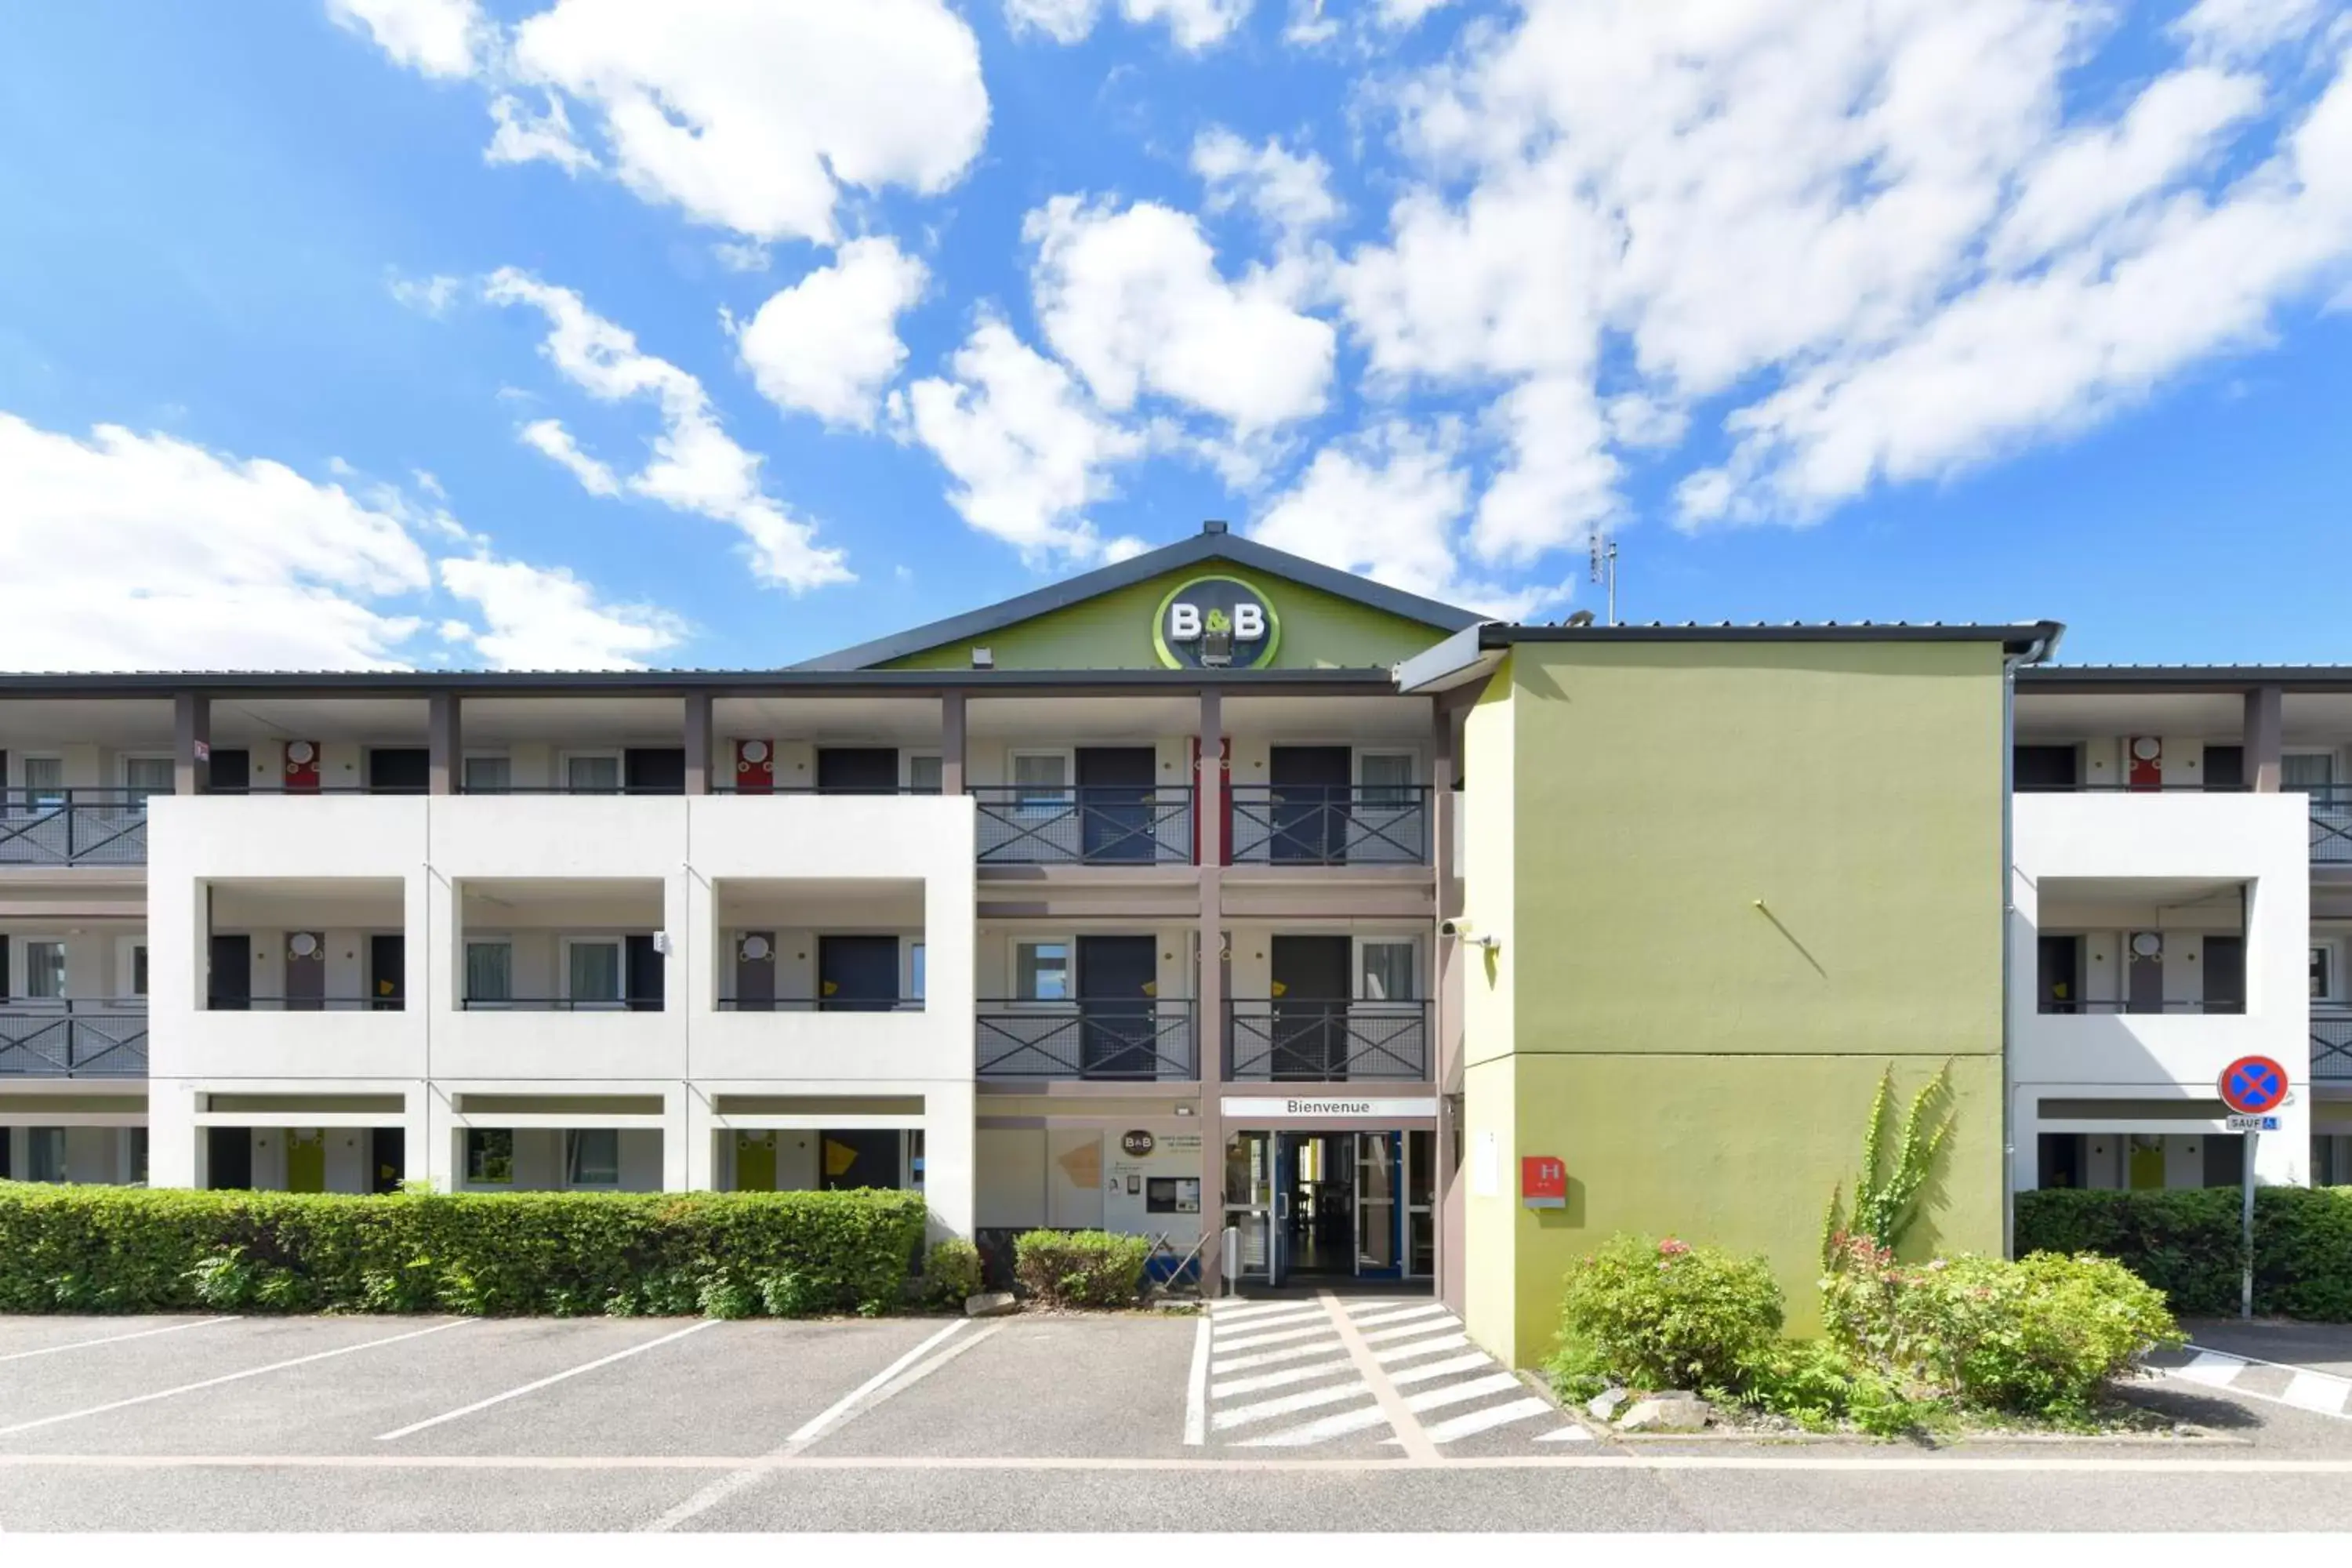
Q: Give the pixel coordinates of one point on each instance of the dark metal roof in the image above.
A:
(796, 682)
(1206, 546)
(2037, 638)
(2160, 678)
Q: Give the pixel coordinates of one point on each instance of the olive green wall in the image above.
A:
(1746, 878)
(1113, 630)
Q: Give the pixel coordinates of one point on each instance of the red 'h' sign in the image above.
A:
(1543, 1181)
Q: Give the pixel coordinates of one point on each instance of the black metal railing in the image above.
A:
(274, 787)
(820, 1003)
(671, 789)
(561, 1005)
(302, 1004)
(94, 1038)
(74, 827)
(2331, 1048)
(2105, 1005)
(1139, 1039)
(1334, 825)
(2331, 824)
(1287, 1040)
(1095, 824)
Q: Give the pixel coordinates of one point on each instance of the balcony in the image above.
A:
(2331, 824)
(1107, 825)
(1108, 1042)
(1296, 1040)
(1329, 825)
(2331, 1047)
(73, 827)
(74, 1038)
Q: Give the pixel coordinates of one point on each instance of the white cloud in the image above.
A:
(1402, 13)
(1194, 25)
(436, 37)
(546, 618)
(696, 467)
(1027, 450)
(1860, 255)
(1134, 300)
(1290, 191)
(1308, 27)
(1388, 504)
(525, 137)
(427, 295)
(550, 437)
(829, 344)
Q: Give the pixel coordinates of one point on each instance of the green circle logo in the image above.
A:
(1215, 623)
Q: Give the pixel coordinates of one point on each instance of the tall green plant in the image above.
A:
(1887, 1194)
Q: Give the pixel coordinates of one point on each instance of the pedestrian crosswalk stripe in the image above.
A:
(1487, 1420)
(1280, 1336)
(1266, 1410)
(2208, 1367)
(1420, 1348)
(1338, 1426)
(1224, 1364)
(1375, 1320)
(2320, 1393)
(2316, 1391)
(1270, 1321)
(1278, 1379)
(1381, 1336)
(1223, 1310)
(1461, 1393)
(1569, 1434)
(1470, 1363)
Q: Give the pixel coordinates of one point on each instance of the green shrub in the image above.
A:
(1817, 1386)
(124, 1249)
(2186, 1244)
(2042, 1335)
(1666, 1314)
(1081, 1267)
(951, 1272)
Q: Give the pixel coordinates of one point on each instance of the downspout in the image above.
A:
(2040, 649)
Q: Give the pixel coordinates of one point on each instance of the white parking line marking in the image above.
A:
(1377, 1319)
(1284, 1337)
(1567, 1434)
(2318, 1391)
(1278, 1379)
(1470, 1363)
(825, 1417)
(1383, 1336)
(2210, 1367)
(1266, 1410)
(115, 1339)
(1487, 1420)
(1461, 1393)
(1224, 1364)
(1338, 1426)
(1420, 1348)
(416, 1427)
(230, 1377)
(1196, 1397)
(1224, 1311)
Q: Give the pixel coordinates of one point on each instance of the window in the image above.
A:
(923, 775)
(1387, 970)
(1040, 971)
(915, 970)
(1384, 778)
(2307, 771)
(138, 1156)
(44, 1153)
(489, 1156)
(490, 971)
(45, 969)
(139, 969)
(596, 773)
(488, 775)
(45, 782)
(592, 971)
(143, 776)
(1041, 780)
(592, 1157)
(2323, 972)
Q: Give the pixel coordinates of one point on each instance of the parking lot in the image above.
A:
(1316, 1412)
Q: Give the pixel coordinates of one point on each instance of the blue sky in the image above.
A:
(352, 333)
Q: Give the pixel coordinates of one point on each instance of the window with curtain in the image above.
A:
(46, 1154)
(490, 971)
(45, 782)
(139, 970)
(592, 972)
(591, 775)
(923, 775)
(1387, 778)
(592, 1157)
(1041, 971)
(45, 969)
(143, 776)
(1041, 780)
(489, 1156)
(488, 775)
(2323, 972)
(1390, 972)
(2306, 769)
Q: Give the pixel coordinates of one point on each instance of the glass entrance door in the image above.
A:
(1380, 1178)
(1250, 1203)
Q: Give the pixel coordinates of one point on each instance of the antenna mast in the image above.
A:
(1604, 568)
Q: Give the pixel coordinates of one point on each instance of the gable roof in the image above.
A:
(1211, 544)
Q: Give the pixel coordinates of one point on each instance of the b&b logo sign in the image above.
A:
(1216, 622)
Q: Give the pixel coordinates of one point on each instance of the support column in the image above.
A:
(444, 744)
(698, 742)
(1208, 834)
(1447, 1208)
(2264, 725)
(192, 746)
(952, 743)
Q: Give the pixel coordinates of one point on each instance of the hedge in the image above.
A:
(124, 1249)
(1081, 1267)
(2186, 1244)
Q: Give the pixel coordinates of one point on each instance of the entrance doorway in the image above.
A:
(1331, 1205)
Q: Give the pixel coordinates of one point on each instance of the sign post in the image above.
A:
(2253, 1088)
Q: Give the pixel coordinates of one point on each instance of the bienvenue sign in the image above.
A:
(1325, 1108)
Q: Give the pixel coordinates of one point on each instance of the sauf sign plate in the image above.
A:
(1216, 622)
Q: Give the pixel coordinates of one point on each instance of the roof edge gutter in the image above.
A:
(1467, 656)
